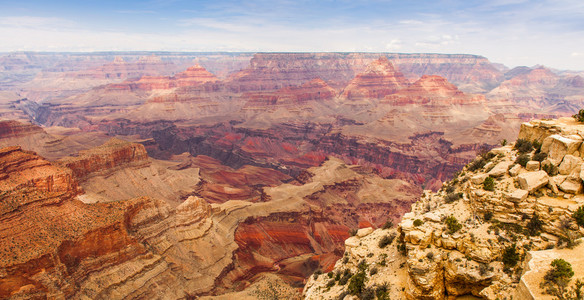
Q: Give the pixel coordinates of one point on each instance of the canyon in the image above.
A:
(209, 174)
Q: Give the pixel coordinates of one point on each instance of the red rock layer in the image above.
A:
(221, 183)
(192, 76)
(113, 153)
(380, 79)
(314, 90)
(120, 69)
(10, 128)
(21, 170)
(434, 90)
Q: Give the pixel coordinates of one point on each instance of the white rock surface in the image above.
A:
(532, 180)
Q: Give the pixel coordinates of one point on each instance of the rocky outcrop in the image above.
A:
(377, 81)
(110, 155)
(194, 75)
(290, 97)
(432, 90)
(473, 239)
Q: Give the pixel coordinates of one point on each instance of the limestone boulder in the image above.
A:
(532, 165)
(531, 181)
(514, 171)
(502, 150)
(557, 146)
(572, 185)
(479, 179)
(500, 169)
(518, 196)
(569, 163)
(364, 231)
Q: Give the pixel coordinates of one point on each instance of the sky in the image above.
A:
(513, 32)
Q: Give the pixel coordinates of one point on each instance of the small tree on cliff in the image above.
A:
(579, 116)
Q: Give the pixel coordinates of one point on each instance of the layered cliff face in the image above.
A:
(58, 246)
(542, 89)
(377, 81)
(490, 232)
(110, 155)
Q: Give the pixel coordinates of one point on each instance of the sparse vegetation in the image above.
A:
(488, 216)
(489, 184)
(552, 170)
(504, 142)
(556, 280)
(522, 160)
(352, 232)
(579, 116)
(476, 164)
(534, 225)
(382, 292)
(578, 216)
(452, 224)
(510, 256)
(452, 197)
(357, 283)
(386, 240)
(388, 224)
(523, 146)
(430, 256)
(540, 156)
(418, 222)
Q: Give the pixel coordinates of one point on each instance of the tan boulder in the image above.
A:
(415, 236)
(352, 242)
(572, 185)
(514, 171)
(518, 196)
(569, 163)
(533, 180)
(502, 150)
(553, 185)
(364, 231)
(479, 179)
(532, 165)
(557, 146)
(500, 169)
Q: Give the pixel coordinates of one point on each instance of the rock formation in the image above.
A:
(377, 81)
(481, 232)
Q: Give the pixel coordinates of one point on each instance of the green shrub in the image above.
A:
(523, 146)
(418, 222)
(555, 281)
(488, 216)
(537, 146)
(539, 156)
(357, 283)
(510, 256)
(522, 159)
(503, 142)
(430, 256)
(579, 116)
(386, 240)
(345, 278)
(382, 292)
(362, 265)
(330, 283)
(489, 184)
(452, 224)
(452, 197)
(477, 164)
(578, 216)
(388, 224)
(550, 169)
(534, 225)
